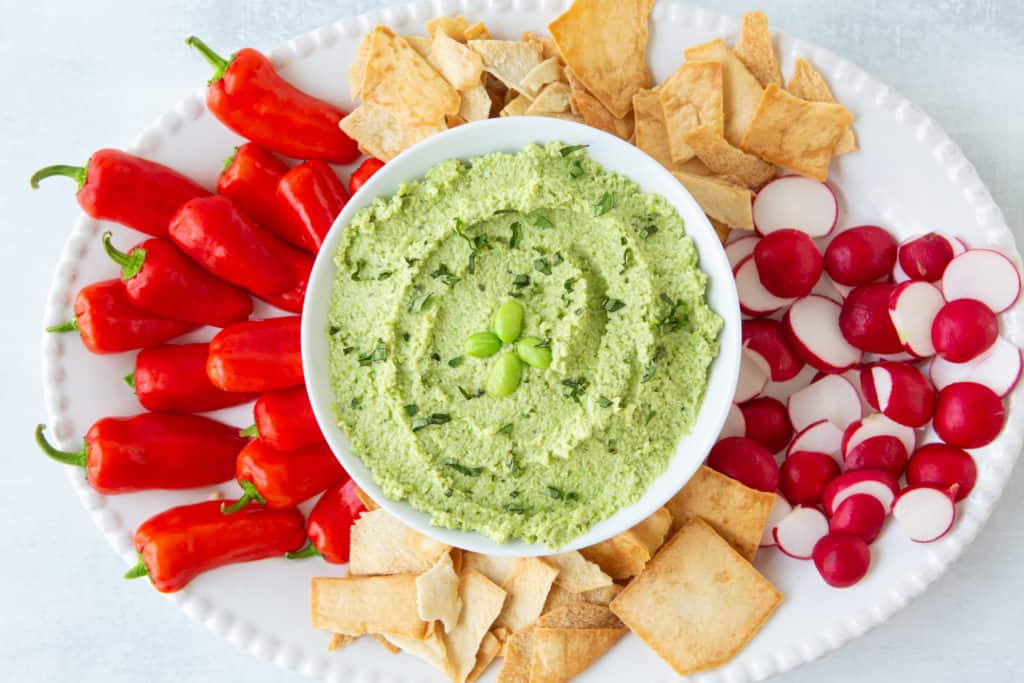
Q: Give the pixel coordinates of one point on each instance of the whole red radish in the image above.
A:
(788, 263)
(968, 415)
(944, 467)
(746, 461)
(900, 392)
(963, 330)
(842, 559)
(804, 475)
(865, 322)
(860, 255)
(768, 339)
(925, 257)
(767, 422)
(861, 515)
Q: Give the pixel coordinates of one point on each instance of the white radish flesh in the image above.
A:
(819, 437)
(812, 326)
(795, 202)
(912, 309)
(925, 514)
(741, 248)
(999, 369)
(754, 298)
(985, 275)
(831, 398)
(734, 423)
(754, 374)
(878, 425)
(877, 483)
(798, 532)
(780, 508)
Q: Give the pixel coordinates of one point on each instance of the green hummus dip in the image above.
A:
(606, 276)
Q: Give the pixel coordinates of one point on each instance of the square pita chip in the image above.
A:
(698, 602)
(806, 83)
(722, 158)
(382, 135)
(741, 91)
(724, 201)
(794, 133)
(605, 43)
(358, 605)
(754, 48)
(691, 97)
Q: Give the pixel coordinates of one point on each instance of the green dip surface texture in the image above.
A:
(608, 281)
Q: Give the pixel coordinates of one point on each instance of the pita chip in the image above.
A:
(454, 27)
(384, 136)
(517, 106)
(459, 65)
(741, 91)
(490, 647)
(357, 69)
(625, 555)
(437, 593)
(482, 602)
(548, 71)
(580, 615)
(338, 641)
(724, 201)
(527, 586)
(518, 655)
(497, 568)
(553, 99)
(576, 573)
(722, 158)
(357, 605)
(431, 649)
(547, 47)
(596, 114)
(691, 97)
(806, 83)
(368, 503)
(381, 544)
(650, 130)
(721, 229)
(421, 44)
(507, 60)
(477, 31)
(754, 48)
(476, 104)
(560, 654)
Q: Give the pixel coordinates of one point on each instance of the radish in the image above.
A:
(842, 559)
(746, 461)
(788, 263)
(924, 513)
(831, 398)
(942, 466)
(819, 437)
(753, 376)
(963, 330)
(780, 508)
(912, 308)
(767, 422)
(861, 515)
(999, 369)
(900, 392)
(878, 453)
(860, 255)
(797, 532)
(812, 327)
(985, 275)
(741, 248)
(734, 423)
(755, 300)
(853, 377)
(926, 257)
(767, 338)
(968, 415)
(875, 425)
(829, 289)
(865, 322)
(804, 475)
(877, 483)
(794, 201)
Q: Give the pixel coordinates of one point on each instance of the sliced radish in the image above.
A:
(804, 475)
(968, 415)
(899, 275)
(746, 461)
(958, 245)
(754, 298)
(865, 322)
(963, 330)
(924, 513)
(829, 289)
(831, 398)
(900, 392)
(912, 309)
(741, 248)
(818, 437)
(860, 255)
(926, 257)
(812, 327)
(767, 338)
(797, 532)
(861, 515)
(878, 453)
(734, 423)
(853, 377)
(767, 422)
(754, 374)
(842, 559)
(985, 275)
(878, 425)
(788, 263)
(942, 466)
(999, 369)
(795, 202)
(780, 508)
(877, 483)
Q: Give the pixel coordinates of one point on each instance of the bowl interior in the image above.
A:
(511, 135)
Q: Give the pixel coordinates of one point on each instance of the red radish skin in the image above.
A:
(874, 425)
(925, 257)
(999, 369)
(985, 275)
(788, 263)
(861, 515)
(768, 339)
(830, 398)
(746, 461)
(878, 453)
(734, 423)
(860, 255)
(794, 201)
(968, 415)
(912, 308)
(753, 377)
(900, 392)
(741, 248)
(812, 327)
(865, 322)
(804, 475)
(877, 483)
(963, 330)
(819, 437)
(924, 513)
(780, 508)
(842, 559)
(755, 300)
(767, 422)
(798, 532)
(945, 467)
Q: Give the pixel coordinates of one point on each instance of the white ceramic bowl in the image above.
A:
(510, 135)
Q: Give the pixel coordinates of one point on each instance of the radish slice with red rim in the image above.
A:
(912, 309)
(985, 275)
(767, 338)
(812, 327)
(878, 425)
(830, 398)
(741, 248)
(900, 392)
(797, 533)
(754, 298)
(819, 437)
(877, 483)
(780, 508)
(999, 369)
(795, 202)
(924, 513)
(754, 373)
(734, 423)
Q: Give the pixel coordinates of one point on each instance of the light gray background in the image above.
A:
(76, 76)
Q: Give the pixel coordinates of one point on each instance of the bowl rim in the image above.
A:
(617, 156)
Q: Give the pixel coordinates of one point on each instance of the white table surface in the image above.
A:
(76, 76)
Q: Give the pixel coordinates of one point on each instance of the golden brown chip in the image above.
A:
(338, 641)
(724, 201)
(625, 555)
(721, 229)
(651, 132)
(517, 106)
(527, 586)
(431, 649)
(454, 27)
(548, 71)
(490, 646)
(754, 48)
(560, 597)
(553, 99)
(576, 573)
(401, 82)
(580, 615)
(560, 654)
(393, 649)
(507, 60)
(724, 159)
(698, 601)
(357, 70)
(482, 602)
(518, 653)
(691, 97)
(694, 166)
(601, 596)
(596, 114)
(806, 83)
(459, 65)
(547, 47)
(794, 133)
(357, 605)
(476, 104)
(497, 568)
(736, 512)
(741, 91)
(382, 135)
(381, 544)
(368, 503)
(421, 44)
(605, 41)
(437, 593)
(477, 31)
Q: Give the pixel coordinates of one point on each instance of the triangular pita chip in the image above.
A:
(724, 201)
(381, 544)
(482, 601)
(476, 104)
(806, 83)
(507, 60)
(741, 91)
(421, 44)
(454, 27)
(754, 48)
(560, 654)
(437, 593)
(490, 647)
(527, 586)
(625, 555)
(596, 114)
(459, 65)
(548, 71)
(382, 135)
(691, 97)
(651, 132)
(338, 641)
(357, 69)
(431, 649)
(724, 159)
(576, 573)
(477, 31)
(553, 99)
(518, 653)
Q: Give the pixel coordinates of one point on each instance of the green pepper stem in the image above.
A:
(218, 63)
(251, 430)
(308, 550)
(230, 160)
(130, 264)
(69, 326)
(76, 173)
(129, 379)
(76, 458)
(139, 570)
(251, 494)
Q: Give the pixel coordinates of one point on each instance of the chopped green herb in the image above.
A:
(612, 305)
(455, 362)
(555, 492)
(557, 259)
(570, 283)
(356, 403)
(419, 300)
(501, 211)
(652, 367)
(575, 387)
(673, 318)
(377, 354)
(513, 241)
(604, 402)
(515, 508)
(470, 396)
(436, 357)
(505, 429)
(605, 204)
(575, 168)
(357, 272)
(444, 275)
(521, 280)
(406, 336)
(334, 329)
(462, 469)
(384, 274)
(410, 261)
(647, 231)
(411, 409)
(543, 344)
(348, 349)
(428, 420)
(569, 149)
(542, 265)
(627, 259)
(541, 221)
(650, 415)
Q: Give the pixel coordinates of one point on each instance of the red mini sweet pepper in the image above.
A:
(248, 96)
(249, 179)
(153, 451)
(178, 544)
(292, 299)
(363, 173)
(257, 355)
(311, 196)
(329, 525)
(285, 420)
(283, 479)
(109, 322)
(159, 278)
(172, 378)
(126, 189)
